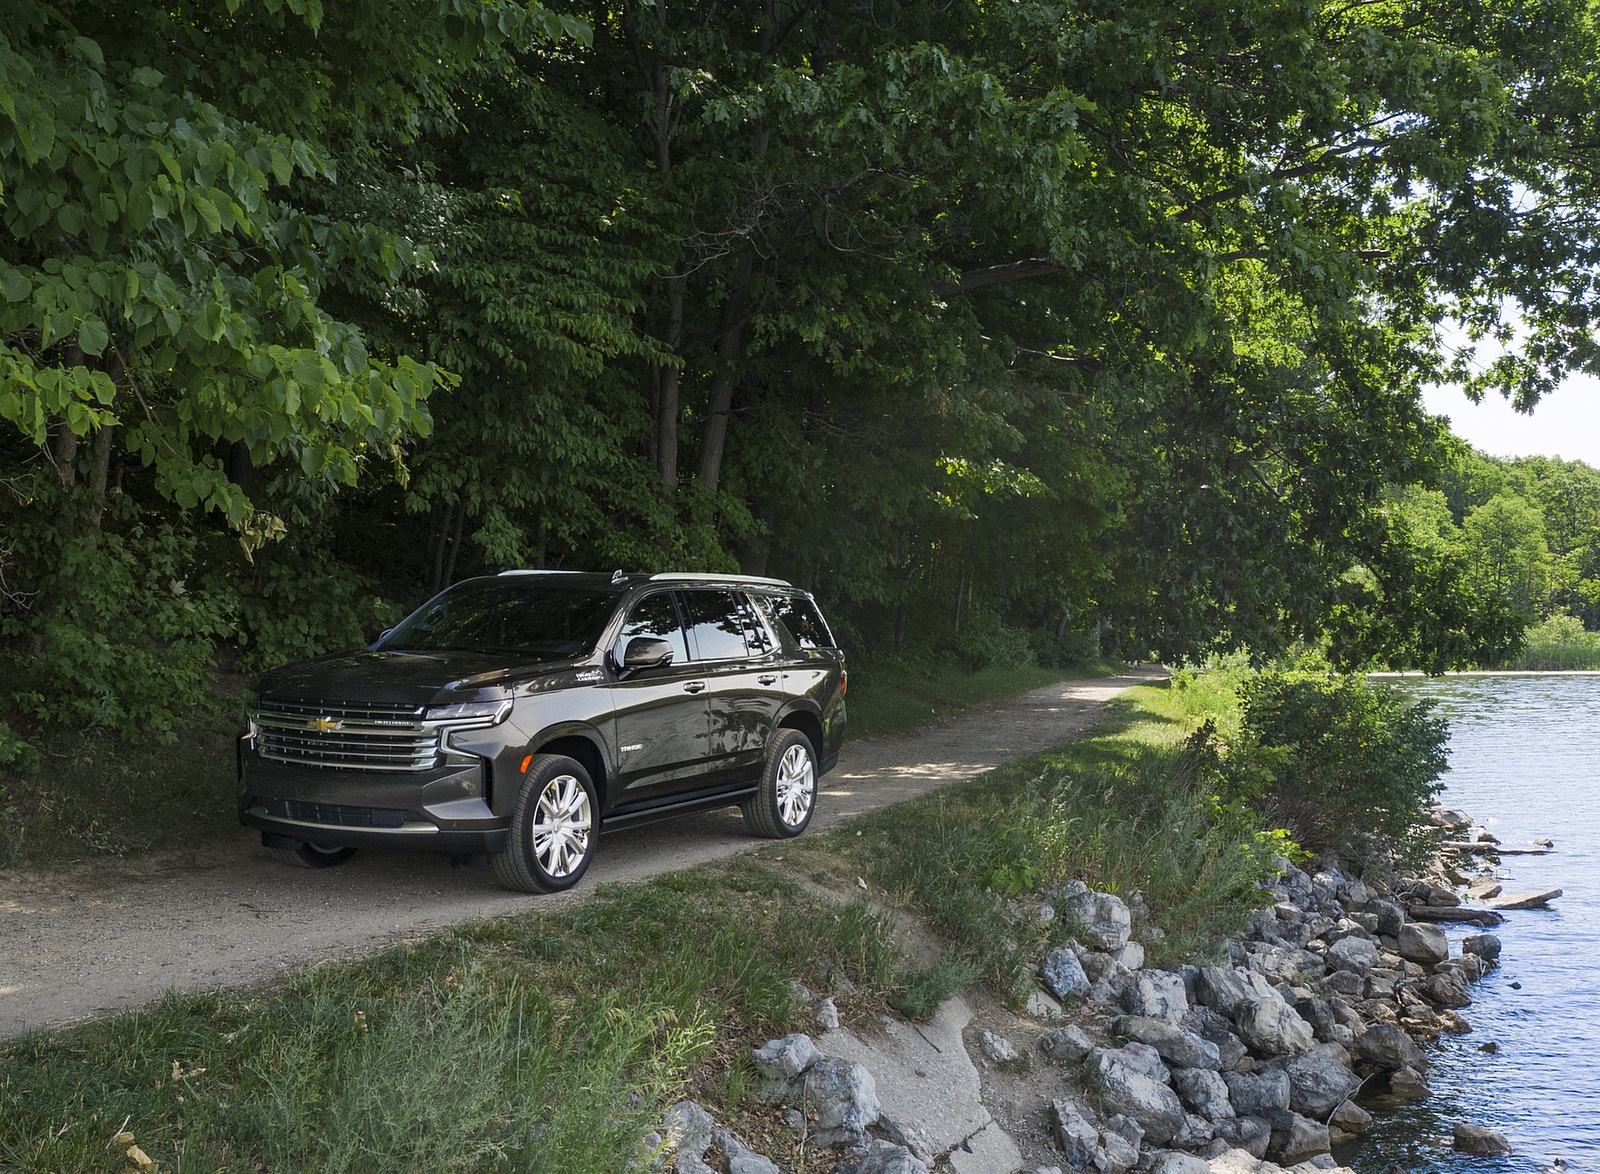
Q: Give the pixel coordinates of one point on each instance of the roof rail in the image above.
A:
(700, 577)
(544, 572)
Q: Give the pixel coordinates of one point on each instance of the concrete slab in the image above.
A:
(925, 1078)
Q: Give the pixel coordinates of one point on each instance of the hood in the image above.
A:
(405, 678)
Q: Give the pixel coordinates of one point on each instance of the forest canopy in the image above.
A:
(1013, 330)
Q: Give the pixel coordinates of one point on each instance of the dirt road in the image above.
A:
(113, 936)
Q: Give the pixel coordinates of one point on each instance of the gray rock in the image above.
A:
(1063, 974)
(825, 1014)
(786, 1058)
(884, 1157)
(1196, 1133)
(996, 1048)
(1158, 994)
(1176, 1046)
(1351, 1118)
(1353, 953)
(1483, 945)
(1067, 1044)
(1256, 1094)
(1076, 1135)
(686, 1128)
(1273, 1028)
(913, 1137)
(742, 1160)
(1102, 920)
(1408, 1084)
(1476, 1139)
(1296, 1138)
(846, 1098)
(1204, 1092)
(1391, 917)
(1386, 1046)
(1216, 1028)
(1425, 944)
(1130, 956)
(1251, 1134)
(1320, 1080)
(1223, 988)
(1447, 989)
(1123, 1079)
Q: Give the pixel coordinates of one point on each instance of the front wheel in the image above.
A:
(788, 794)
(314, 855)
(553, 827)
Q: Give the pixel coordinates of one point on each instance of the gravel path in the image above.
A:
(115, 935)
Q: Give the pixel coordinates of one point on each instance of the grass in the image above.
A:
(1559, 644)
(888, 700)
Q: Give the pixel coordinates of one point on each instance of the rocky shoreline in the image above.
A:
(1248, 1066)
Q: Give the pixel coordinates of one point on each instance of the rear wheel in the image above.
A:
(553, 827)
(788, 794)
(314, 855)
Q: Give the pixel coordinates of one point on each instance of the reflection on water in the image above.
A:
(1525, 758)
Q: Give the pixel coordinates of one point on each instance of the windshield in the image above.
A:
(537, 620)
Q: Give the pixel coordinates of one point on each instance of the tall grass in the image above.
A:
(1558, 644)
(1121, 811)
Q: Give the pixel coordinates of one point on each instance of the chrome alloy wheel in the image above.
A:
(796, 785)
(562, 826)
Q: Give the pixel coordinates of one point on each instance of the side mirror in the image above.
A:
(646, 652)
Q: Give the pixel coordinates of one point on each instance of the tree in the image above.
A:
(1505, 540)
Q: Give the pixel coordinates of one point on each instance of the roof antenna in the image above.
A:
(616, 576)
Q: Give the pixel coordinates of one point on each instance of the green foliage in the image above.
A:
(301, 603)
(1336, 759)
(128, 648)
(1559, 643)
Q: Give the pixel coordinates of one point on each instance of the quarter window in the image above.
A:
(804, 621)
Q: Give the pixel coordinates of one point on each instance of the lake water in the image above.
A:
(1525, 763)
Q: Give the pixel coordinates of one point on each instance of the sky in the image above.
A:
(1565, 424)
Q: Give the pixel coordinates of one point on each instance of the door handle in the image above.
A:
(769, 679)
(694, 686)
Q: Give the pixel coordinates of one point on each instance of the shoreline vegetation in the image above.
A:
(477, 1045)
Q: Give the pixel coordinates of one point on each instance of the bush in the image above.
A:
(120, 643)
(302, 604)
(1335, 758)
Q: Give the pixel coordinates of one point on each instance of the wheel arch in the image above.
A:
(582, 749)
(807, 723)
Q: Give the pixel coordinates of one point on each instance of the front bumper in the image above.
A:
(439, 810)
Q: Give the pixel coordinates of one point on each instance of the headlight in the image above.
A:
(477, 713)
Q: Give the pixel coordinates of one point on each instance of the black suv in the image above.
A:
(518, 715)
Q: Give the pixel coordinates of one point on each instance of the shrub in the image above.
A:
(1334, 758)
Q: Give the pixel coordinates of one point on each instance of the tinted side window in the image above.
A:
(656, 615)
(804, 621)
(719, 621)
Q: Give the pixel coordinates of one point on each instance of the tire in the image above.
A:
(788, 795)
(554, 826)
(313, 855)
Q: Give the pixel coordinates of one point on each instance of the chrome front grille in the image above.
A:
(347, 736)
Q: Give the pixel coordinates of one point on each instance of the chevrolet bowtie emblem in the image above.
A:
(324, 725)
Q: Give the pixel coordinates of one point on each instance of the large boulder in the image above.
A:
(1255, 1094)
(1388, 1047)
(846, 1098)
(1273, 1028)
(1063, 974)
(783, 1059)
(1157, 994)
(882, 1157)
(1223, 988)
(1320, 1081)
(1249, 1135)
(1296, 1138)
(1423, 944)
(1178, 1047)
(1204, 1092)
(1476, 1139)
(1124, 1078)
(1102, 921)
(1353, 953)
